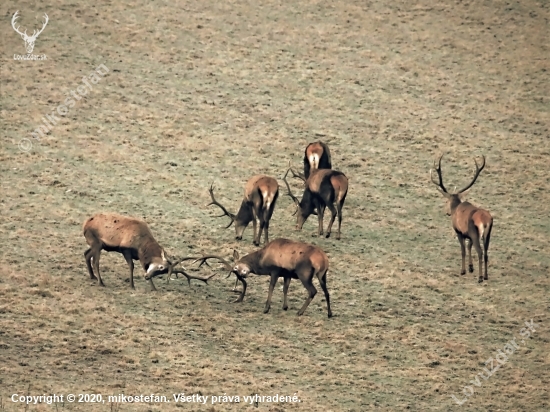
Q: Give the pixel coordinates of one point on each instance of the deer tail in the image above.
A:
(314, 160)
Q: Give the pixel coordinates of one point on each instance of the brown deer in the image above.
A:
(324, 188)
(282, 258)
(316, 156)
(469, 222)
(133, 239)
(260, 195)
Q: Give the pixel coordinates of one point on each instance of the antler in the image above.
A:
(203, 260)
(215, 202)
(15, 17)
(172, 265)
(43, 26)
(34, 33)
(288, 187)
(189, 277)
(477, 172)
(440, 185)
(184, 273)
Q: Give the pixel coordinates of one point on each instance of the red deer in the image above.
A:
(316, 156)
(260, 195)
(469, 222)
(132, 238)
(282, 258)
(324, 188)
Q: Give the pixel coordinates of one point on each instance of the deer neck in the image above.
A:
(455, 202)
(147, 251)
(252, 260)
(306, 204)
(245, 214)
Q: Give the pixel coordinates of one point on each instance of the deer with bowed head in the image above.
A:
(281, 258)
(260, 196)
(324, 188)
(469, 222)
(133, 239)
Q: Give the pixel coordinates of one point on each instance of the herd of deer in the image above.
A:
(324, 187)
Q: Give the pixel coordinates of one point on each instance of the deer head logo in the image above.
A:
(29, 40)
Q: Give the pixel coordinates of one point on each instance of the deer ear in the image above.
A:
(463, 194)
(164, 257)
(235, 255)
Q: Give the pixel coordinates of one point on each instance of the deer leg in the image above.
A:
(272, 283)
(241, 297)
(95, 255)
(129, 260)
(480, 257)
(320, 213)
(323, 282)
(255, 224)
(266, 219)
(486, 239)
(470, 263)
(463, 250)
(88, 256)
(307, 277)
(339, 209)
(262, 228)
(285, 291)
(332, 218)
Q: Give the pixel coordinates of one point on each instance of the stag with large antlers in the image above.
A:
(260, 195)
(282, 258)
(324, 188)
(29, 40)
(469, 222)
(133, 239)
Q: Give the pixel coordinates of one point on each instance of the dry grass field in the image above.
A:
(202, 91)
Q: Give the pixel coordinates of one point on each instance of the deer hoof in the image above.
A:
(480, 280)
(266, 310)
(285, 307)
(462, 272)
(327, 235)
(471, 268)
(486, 278)
(256, 243)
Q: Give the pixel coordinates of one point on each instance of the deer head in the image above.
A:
(29, 40)
(453, 199)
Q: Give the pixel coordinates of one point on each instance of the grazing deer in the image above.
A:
(316, 156)
(29, 40)
(260, 195)
(469, 222)
(324, 188)
(282, 258)
(132, 238)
